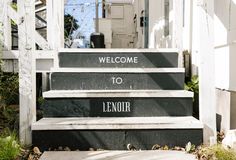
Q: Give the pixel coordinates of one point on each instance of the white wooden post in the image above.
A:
(177, 28)
(1, 27)
(27, 73)
(7, 26)
(207, 93)
(55, 26)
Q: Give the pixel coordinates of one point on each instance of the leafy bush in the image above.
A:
(193, 85)
(9, 147)
(216, 152)
(9, 88)
(9, 117)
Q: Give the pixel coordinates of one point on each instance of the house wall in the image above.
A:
(225, 56)
(225, 44)
(224, 52)
(226, 110)
(233, 111)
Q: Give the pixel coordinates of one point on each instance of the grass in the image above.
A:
(9, 147)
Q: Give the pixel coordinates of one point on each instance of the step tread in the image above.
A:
(115, 123)
(119, 70)
(117, 155)
(161, 50)
(116, 93)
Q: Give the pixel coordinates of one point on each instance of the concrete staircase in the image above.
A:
(108, 99)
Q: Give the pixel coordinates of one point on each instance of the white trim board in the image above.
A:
(39, 54)
(119, 70)
(111, 123)
(149, 50)
(116, 93)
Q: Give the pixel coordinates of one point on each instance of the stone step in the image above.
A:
(112, 58)
(112, 103)
(116, 133)
(117, 155)
(117, 78)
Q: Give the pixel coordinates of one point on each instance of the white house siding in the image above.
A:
(225, 57)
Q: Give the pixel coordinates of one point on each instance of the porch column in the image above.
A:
(207, 94)
(27, 73)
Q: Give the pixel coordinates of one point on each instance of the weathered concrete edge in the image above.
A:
(117, 123)
(137, 155)
(117, 93)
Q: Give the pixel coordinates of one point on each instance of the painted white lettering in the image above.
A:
(116, 107)
(102, 59)
(117, 80)
(123, 60)
(127, 106)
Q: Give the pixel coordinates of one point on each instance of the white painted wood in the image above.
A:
(44, 60)
(39, 54)
(225, 46)
(43, 44)
(55, 26)
(177, 36)
(38, 2)
(7, 26)
(12, 54)
(27, 73)
(116, 93)
(7, 66)
(117, 12)
(117, 123)
(41, 9)
(195, 40)
(12, 14)
(156, 23)
(138, 7)
(120, 1)
(117, 155)
(2, 11)
(105, 27)
(232, 71)
(119, 70)
(188, 25)
(207, 94)
(42, 65)
(150, 50)
(50, 29)
(45, 82)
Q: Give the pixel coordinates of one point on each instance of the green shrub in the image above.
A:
(9, 88)
(193, 85)
(216, 152)
(9, 147)
(9, 117)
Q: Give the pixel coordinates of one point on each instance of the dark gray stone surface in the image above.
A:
(140, 60)
(111, 81)
(115, 139)
(124, 107)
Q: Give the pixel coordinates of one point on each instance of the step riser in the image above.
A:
(115, 139)
(126, 60)
(117, 107)
(117, 81)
